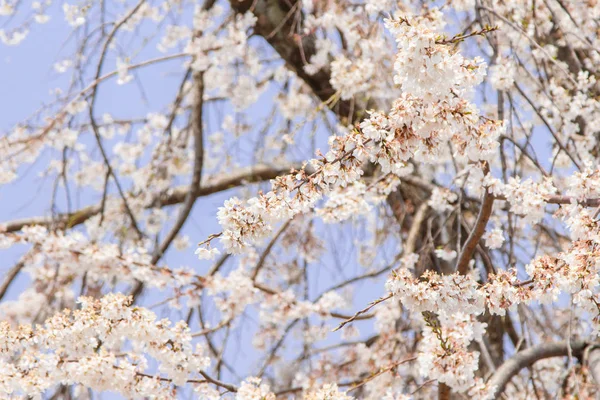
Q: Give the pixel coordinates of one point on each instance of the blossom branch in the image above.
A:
(93, 123)
(360, 313)
(219, 383)
(261, 261)
(356, 385)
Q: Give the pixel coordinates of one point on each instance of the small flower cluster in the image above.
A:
(101, 262)
(252, 388)
(442, 199)
(350, 77)
(432, 292)
(585, 184)
(328, 392)
(444, 354)
(528, 198)
(357, 199)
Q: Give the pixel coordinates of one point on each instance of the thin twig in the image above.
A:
(364, 310)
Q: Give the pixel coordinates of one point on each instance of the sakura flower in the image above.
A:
(494, 238)
(441, 199)
(204, 253)
(445, 254)
(123, 71)
(253, 389)
(502, 74)
(74, 14)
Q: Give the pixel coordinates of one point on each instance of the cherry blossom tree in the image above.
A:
(399, 200)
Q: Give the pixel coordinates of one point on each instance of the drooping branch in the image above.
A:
(195, 185)
(93, 123)
(197, 131)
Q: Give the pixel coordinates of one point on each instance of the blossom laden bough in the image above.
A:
(79, 347)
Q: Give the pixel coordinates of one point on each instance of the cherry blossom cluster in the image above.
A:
(528, 198)
(357, 199)
(433, 108)
(245, 223)
(444, 353)
(82, 347)
(253, 388)
(574, 271)
(101, 262)
(57, 260)
(414, 128)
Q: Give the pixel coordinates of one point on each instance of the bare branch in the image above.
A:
(527, 358)
(483, 217)
(360, 313)
(10, 277)
(243, 176)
